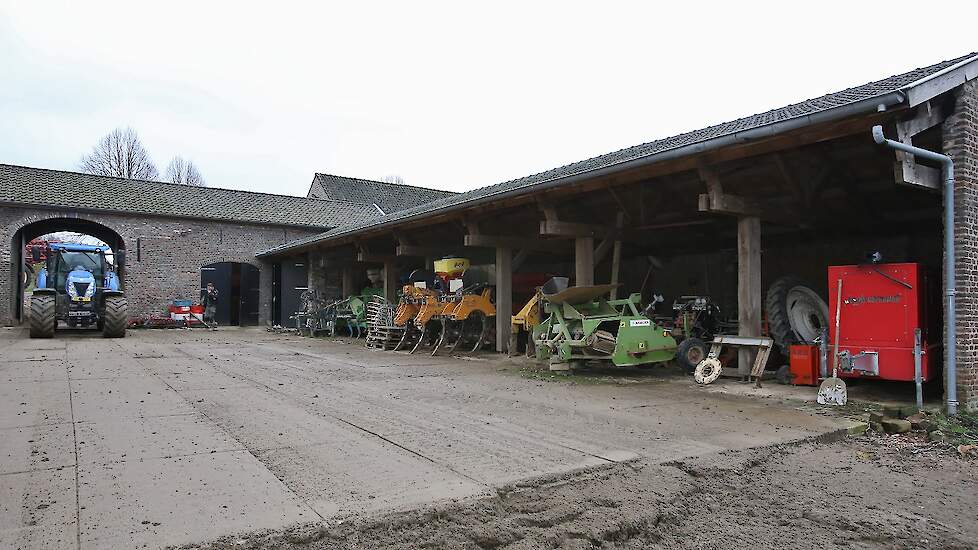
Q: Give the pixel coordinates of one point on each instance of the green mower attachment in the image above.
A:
(581, 324)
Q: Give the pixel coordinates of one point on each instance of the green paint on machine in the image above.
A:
(581, 324)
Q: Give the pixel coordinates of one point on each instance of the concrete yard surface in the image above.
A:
(179, 437)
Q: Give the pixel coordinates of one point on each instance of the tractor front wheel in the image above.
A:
(690, 352)
(43, 316)
(115, 316)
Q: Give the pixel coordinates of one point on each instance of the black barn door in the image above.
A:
(249, 295)
(294, 281)
(220, 275)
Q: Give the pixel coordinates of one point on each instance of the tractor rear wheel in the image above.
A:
(43, 316)
(115, 316)
(690, 352)
(796, 314)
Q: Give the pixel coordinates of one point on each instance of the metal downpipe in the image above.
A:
(950, 323)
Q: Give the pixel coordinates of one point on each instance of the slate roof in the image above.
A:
(390, 197)
(42, 187)
(808, 107)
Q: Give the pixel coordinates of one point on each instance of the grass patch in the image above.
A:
(959, 430)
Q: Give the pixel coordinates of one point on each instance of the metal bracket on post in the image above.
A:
(917, 368)
(823, 354)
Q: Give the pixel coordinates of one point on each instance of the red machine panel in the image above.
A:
(803, 360)
(882, 306)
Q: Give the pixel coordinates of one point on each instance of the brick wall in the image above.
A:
(172, 251)
(960, 134)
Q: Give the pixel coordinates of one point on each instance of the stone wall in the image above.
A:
(171, 253)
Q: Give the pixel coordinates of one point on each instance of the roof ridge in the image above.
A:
(169, 183)
(387, 183)
(28, 185)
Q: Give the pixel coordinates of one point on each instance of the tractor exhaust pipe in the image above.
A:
(950, 323)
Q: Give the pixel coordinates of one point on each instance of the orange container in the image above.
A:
(803, 363)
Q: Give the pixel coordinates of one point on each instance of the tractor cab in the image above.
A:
(78, 285)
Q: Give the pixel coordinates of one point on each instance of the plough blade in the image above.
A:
(424, 330)
(446, 324)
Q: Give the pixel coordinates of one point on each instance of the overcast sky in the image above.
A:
(452, 95)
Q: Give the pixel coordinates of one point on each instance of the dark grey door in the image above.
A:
(295, 280)
(249, 295)
(220, 275)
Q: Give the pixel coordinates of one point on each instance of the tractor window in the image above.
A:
(68, 261)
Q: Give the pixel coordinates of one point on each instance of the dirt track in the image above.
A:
(867, 492)
(176, 437)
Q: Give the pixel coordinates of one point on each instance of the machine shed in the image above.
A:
(727, 212)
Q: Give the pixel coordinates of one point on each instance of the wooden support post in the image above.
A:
(615, 268)
(748, 286)
(584, 261)
(390, 280)
(348, 283)
(616, 255)
(504, 297)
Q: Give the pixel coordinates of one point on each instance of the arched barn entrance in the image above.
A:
(22, 265)
(238, 286)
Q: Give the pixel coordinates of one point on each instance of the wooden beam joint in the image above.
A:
(906, 171)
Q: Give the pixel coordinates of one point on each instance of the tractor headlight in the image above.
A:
(72, 291)
(90, 291)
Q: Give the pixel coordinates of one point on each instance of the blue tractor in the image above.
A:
(79, 286)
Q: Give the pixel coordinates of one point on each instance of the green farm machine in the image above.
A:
(581, 324)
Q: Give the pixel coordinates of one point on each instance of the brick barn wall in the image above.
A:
(960, 134)
(172, 251)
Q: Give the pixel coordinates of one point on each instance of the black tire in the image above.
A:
(783, 375)
(690, 352)
(43, 316)
(779, 306)
(115, 316)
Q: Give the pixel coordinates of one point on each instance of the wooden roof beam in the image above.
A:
(375, 258)
(906, 171)
(715, 201)
(422, 251)
(510, 241)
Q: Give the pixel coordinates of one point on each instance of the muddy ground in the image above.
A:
(168, 438)
(871, 491)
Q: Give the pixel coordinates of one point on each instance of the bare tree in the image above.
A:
(393, 178)
(120, 153)
(184, 171)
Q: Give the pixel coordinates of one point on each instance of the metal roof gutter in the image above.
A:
(865, 106)
(943, 80)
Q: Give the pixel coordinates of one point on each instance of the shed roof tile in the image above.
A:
(43, 187)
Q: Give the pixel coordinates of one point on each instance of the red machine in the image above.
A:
(882, 307)
(803, 364)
